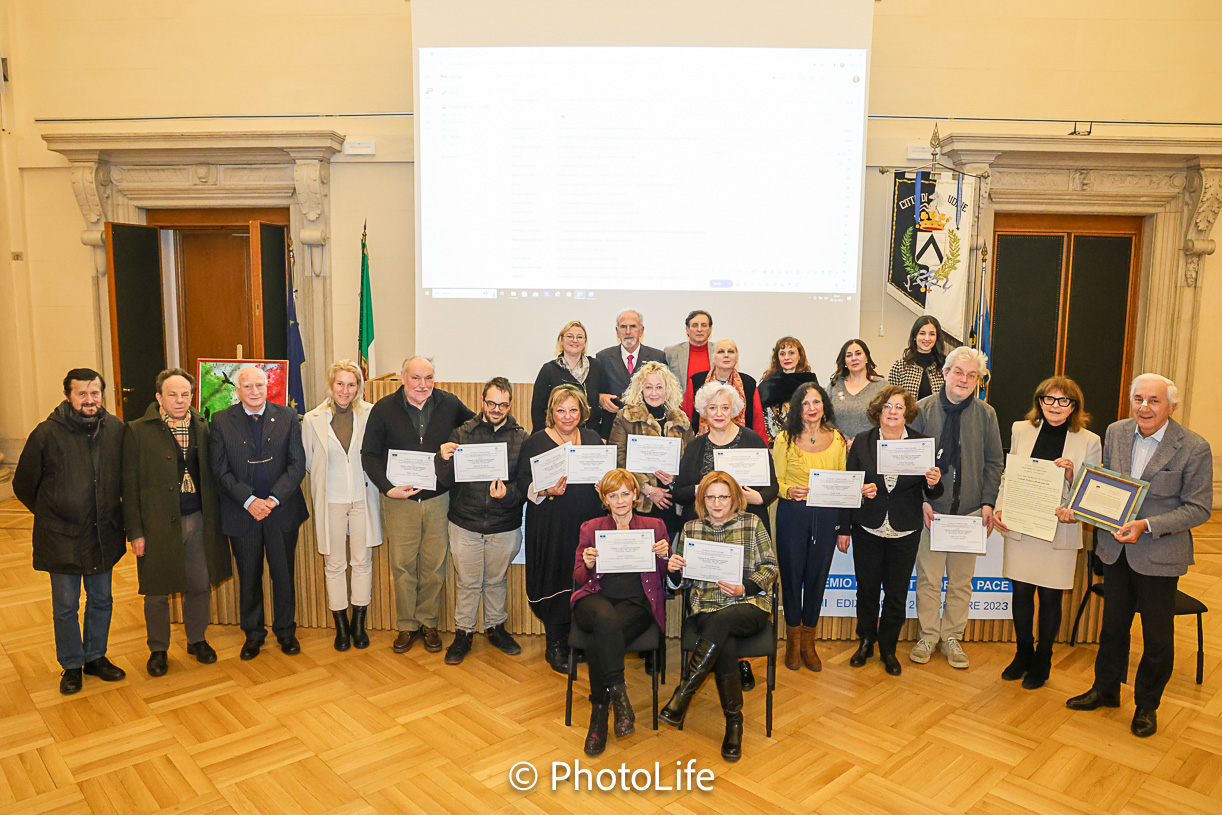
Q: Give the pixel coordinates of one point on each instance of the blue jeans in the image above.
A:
(72, 648)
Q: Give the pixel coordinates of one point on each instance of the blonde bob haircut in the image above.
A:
(737, 498)
(567, 326)
(674, 394)
(351, 367)
(711, 390)
(559, 394)
(615, 479)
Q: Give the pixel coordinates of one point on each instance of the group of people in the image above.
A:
(176, 487)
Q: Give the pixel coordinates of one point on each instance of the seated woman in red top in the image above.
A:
(616, 608)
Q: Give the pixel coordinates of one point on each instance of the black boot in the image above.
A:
(343, 633)
(596, 738)
(745, 675)
(625, 719)
(863, 653)
(698, 667)
(731, 692)
(1023, 654)
(359, 638)
(1041, 665)
(557, 656)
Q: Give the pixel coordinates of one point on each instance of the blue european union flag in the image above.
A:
(296, 391)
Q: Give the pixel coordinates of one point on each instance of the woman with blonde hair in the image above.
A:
(346, 518)
(652, 408)
(572, 366)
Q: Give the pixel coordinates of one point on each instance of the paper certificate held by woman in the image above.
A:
(624, 550)
(712, 562)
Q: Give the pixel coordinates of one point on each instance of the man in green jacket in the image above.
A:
(172, 519)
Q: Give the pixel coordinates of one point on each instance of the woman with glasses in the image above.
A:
(572, 366)
(787, 369)
(652, 408)
(919, 370)
(853, 387)
(886, 529)
(723, 611)
(805, 535)
(616, 607)
(1054, 430)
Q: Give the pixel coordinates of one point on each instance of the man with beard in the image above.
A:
(70, 476)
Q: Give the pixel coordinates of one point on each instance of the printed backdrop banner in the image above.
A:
(991, 593)
(928, 265)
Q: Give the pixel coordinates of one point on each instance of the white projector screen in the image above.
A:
(571, 180)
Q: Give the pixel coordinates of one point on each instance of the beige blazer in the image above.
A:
(1081, 447)
(316, 434)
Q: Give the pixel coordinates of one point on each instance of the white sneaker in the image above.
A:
(954, 653)
(921, 652)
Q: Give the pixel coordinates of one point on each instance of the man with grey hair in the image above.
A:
(415, 418)
(1143, 560)
(258, 463)
(621, 361)
(969, 454)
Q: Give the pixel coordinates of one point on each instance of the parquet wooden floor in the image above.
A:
(373, 732)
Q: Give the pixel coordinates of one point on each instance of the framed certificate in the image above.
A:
(1105, 498)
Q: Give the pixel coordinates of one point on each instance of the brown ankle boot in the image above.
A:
(793, 639)
(809, 655)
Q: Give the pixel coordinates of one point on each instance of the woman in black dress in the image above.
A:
(572, 366)
(553, 520)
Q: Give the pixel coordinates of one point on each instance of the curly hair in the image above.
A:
(674, 394)
(794, 420)
(774, 364)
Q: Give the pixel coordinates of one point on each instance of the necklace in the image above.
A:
(568, 439)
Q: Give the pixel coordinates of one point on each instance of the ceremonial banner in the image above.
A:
(928, 261)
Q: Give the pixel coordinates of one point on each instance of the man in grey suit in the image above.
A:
(620, 361)
(1144, 559)
(687, 358)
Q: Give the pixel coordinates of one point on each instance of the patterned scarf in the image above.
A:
(580, 371)
(180, 429)
(736, 382)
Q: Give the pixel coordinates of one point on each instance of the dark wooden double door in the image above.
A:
(230, 278)
(1064, 302)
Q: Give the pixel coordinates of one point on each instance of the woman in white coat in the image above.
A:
(1054, 430)
(346, 520)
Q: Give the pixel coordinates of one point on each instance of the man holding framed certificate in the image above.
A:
(969, 456)
(1144, 558)
(480, 460)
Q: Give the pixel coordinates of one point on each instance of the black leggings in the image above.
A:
(612, 624)
(721, 627)
(1024, 613)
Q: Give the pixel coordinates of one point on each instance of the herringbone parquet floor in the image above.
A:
(373, 732)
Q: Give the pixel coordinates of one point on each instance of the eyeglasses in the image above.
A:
(900, 408)
(708, 499)
(496, 405)
(961, 374)
(1061, 401)
(574, 337)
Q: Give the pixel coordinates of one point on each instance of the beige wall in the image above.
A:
(130, 59)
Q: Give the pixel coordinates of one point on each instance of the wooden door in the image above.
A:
(269, 290)
(214, 321)
(1064, 302)
(137, 322)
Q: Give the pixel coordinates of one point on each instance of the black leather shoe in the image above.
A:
(503, 640)
(892, 665)
(745, 677)
(1145, 722)
(289, 645)
(104, 669)
(202, 652)
(250, 649)
(157, 665)
(1091, 700)
(70, 681)
(360, 639)
(343, 630)
(557, 656)
(862, 654)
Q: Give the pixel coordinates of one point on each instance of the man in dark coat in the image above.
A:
(258, 463)
(172, 517)
(70, 476)
(620, 362)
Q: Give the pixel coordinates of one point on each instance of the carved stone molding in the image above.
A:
(1205, 201)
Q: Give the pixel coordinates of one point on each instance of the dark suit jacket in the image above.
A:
(231, 455)
(1181, 495)
(615, 374)
(902, 505)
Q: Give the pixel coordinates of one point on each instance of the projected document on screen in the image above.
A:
(640, 169)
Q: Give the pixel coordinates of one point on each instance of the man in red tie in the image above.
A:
(621, 361)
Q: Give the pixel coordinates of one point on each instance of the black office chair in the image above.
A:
(652, 640)
(1185, 605)
(762, 644)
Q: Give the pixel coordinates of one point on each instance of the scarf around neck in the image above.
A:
(948, 443)
(580, 371)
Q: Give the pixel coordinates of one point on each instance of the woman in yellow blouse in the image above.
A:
(805, 536)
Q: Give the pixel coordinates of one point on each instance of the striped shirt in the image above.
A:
(759, 560)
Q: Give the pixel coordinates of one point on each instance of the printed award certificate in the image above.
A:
(905, 456)
(748, 467)
(408, 468)
(1033, 490)
(588, 463)
(711, 561)
(481, 462)
(649, 454)
(625, 550)
(835, 488)
(957, 533)
(548, 468)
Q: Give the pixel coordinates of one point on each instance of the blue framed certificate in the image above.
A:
(1105, 498)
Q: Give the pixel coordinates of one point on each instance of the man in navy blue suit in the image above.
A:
(258, 462)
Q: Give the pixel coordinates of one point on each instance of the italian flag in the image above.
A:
(365, 333)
